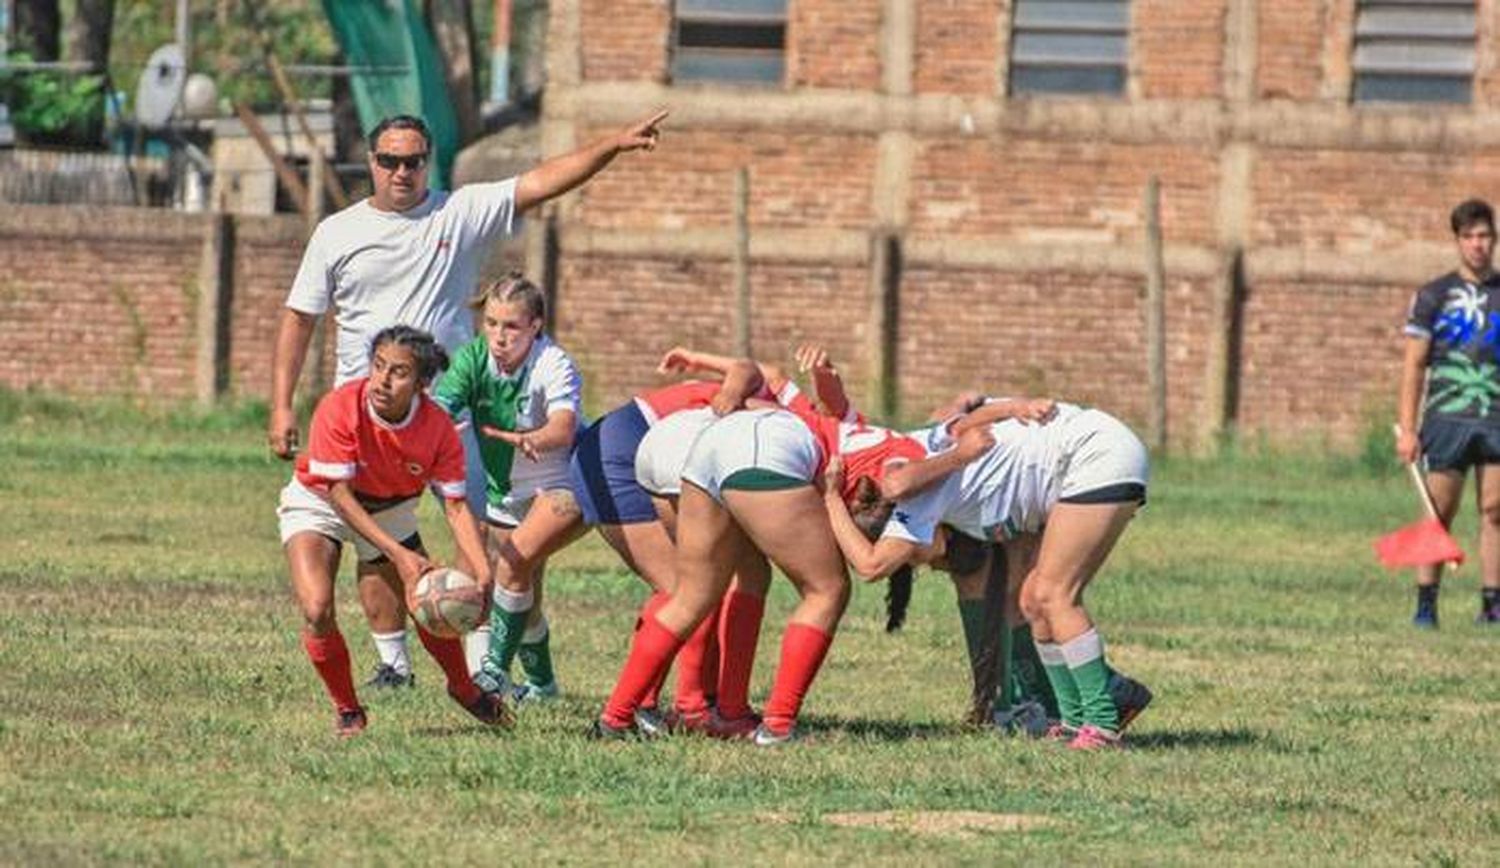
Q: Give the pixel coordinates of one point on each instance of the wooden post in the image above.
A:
(884, 321)
(215, 297)
(1219, 374)
(284, 173)
(742, 345)
(317, 372)
(289, 99)
(551, 255)
(1156, 356)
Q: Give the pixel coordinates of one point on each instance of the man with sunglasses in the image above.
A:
(410, 255)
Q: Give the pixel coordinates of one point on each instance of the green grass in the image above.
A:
(155, 704)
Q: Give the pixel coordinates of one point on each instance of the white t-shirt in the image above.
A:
(1006, 491)
(416, 267)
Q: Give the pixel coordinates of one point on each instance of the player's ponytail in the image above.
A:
(513, 288)
(430, 357)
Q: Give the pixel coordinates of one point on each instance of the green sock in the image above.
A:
(536, 654)
(1085, 656)
(1028, 678)
(971, 612)
(508, 611)
(1055, 665)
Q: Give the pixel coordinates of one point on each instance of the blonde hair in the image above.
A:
(512, 288)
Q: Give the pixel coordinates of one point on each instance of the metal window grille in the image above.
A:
(1414, 51)
(729, 41)
(1069, 47)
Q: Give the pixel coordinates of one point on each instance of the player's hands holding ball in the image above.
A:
(410, 565)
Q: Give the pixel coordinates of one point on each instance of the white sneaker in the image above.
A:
(528, 692)
(764, 737)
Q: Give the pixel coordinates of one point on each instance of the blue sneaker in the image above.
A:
(1130, 697)
(1426, 618)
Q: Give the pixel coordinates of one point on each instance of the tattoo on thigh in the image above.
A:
(563, 504)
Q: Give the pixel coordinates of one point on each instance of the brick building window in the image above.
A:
(1414, 51)
(1069, 47)
(732, 41)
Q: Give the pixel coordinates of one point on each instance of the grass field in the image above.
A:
(155, 704)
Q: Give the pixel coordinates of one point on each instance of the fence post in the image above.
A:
(884, 322)
(1156, 356)
(742, 345)
(215, 302)
(1220, 375)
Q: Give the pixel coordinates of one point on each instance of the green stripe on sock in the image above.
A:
(1069, 704)
(506, 629)
(1098, 707)
(536, 660)
(1028, 679)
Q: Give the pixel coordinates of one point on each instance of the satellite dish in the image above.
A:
(160, 87)
(200, 97)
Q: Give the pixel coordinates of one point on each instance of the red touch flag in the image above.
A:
(1419, 544)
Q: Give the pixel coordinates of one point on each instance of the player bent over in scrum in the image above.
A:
(715, 665)
(749, 483)
(1077, 480)
(374, 444)
(602, 492)
(522, 393)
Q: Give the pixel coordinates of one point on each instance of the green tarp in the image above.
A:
(398, 71)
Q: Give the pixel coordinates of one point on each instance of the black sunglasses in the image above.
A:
(389, 162)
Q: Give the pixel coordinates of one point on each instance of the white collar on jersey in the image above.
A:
(531, 355)
(411, 414)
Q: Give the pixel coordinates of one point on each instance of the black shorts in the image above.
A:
(1458, 444)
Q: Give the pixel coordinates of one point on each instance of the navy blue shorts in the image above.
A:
(1458, 444)
(602, 469)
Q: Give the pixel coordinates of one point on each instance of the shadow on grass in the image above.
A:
(1191, 739)
(881, 730)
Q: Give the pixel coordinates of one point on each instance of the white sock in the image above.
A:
(511, 601)
(476, 644)
(392, 650)
(1084, 648)
(1050, 653)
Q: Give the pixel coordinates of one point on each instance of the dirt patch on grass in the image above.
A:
(943, 824)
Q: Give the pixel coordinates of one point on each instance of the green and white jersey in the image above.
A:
(546, 383)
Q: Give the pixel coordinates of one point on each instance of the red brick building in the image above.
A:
(1283, 129)
(946, 191)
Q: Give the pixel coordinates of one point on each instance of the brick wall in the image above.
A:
(1021, 221)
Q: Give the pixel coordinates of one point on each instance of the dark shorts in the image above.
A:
(1122, 492)
(602, 469)
(411, 543)
(1458, 444)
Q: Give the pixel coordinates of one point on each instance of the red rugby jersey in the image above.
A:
(383, 460)
(866, 449)
(658, 404)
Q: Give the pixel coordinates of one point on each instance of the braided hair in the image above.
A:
(429, 355)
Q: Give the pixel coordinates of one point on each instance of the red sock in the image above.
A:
(649, 609)
(739, 633)
(802, 650)
(449, 653)
(651, 653)
(330, 656)
(711, 661)
(692, 668)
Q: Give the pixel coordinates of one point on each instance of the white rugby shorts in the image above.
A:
(1100, 451)
(303, 510)
(764, 439)
(663, 453)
